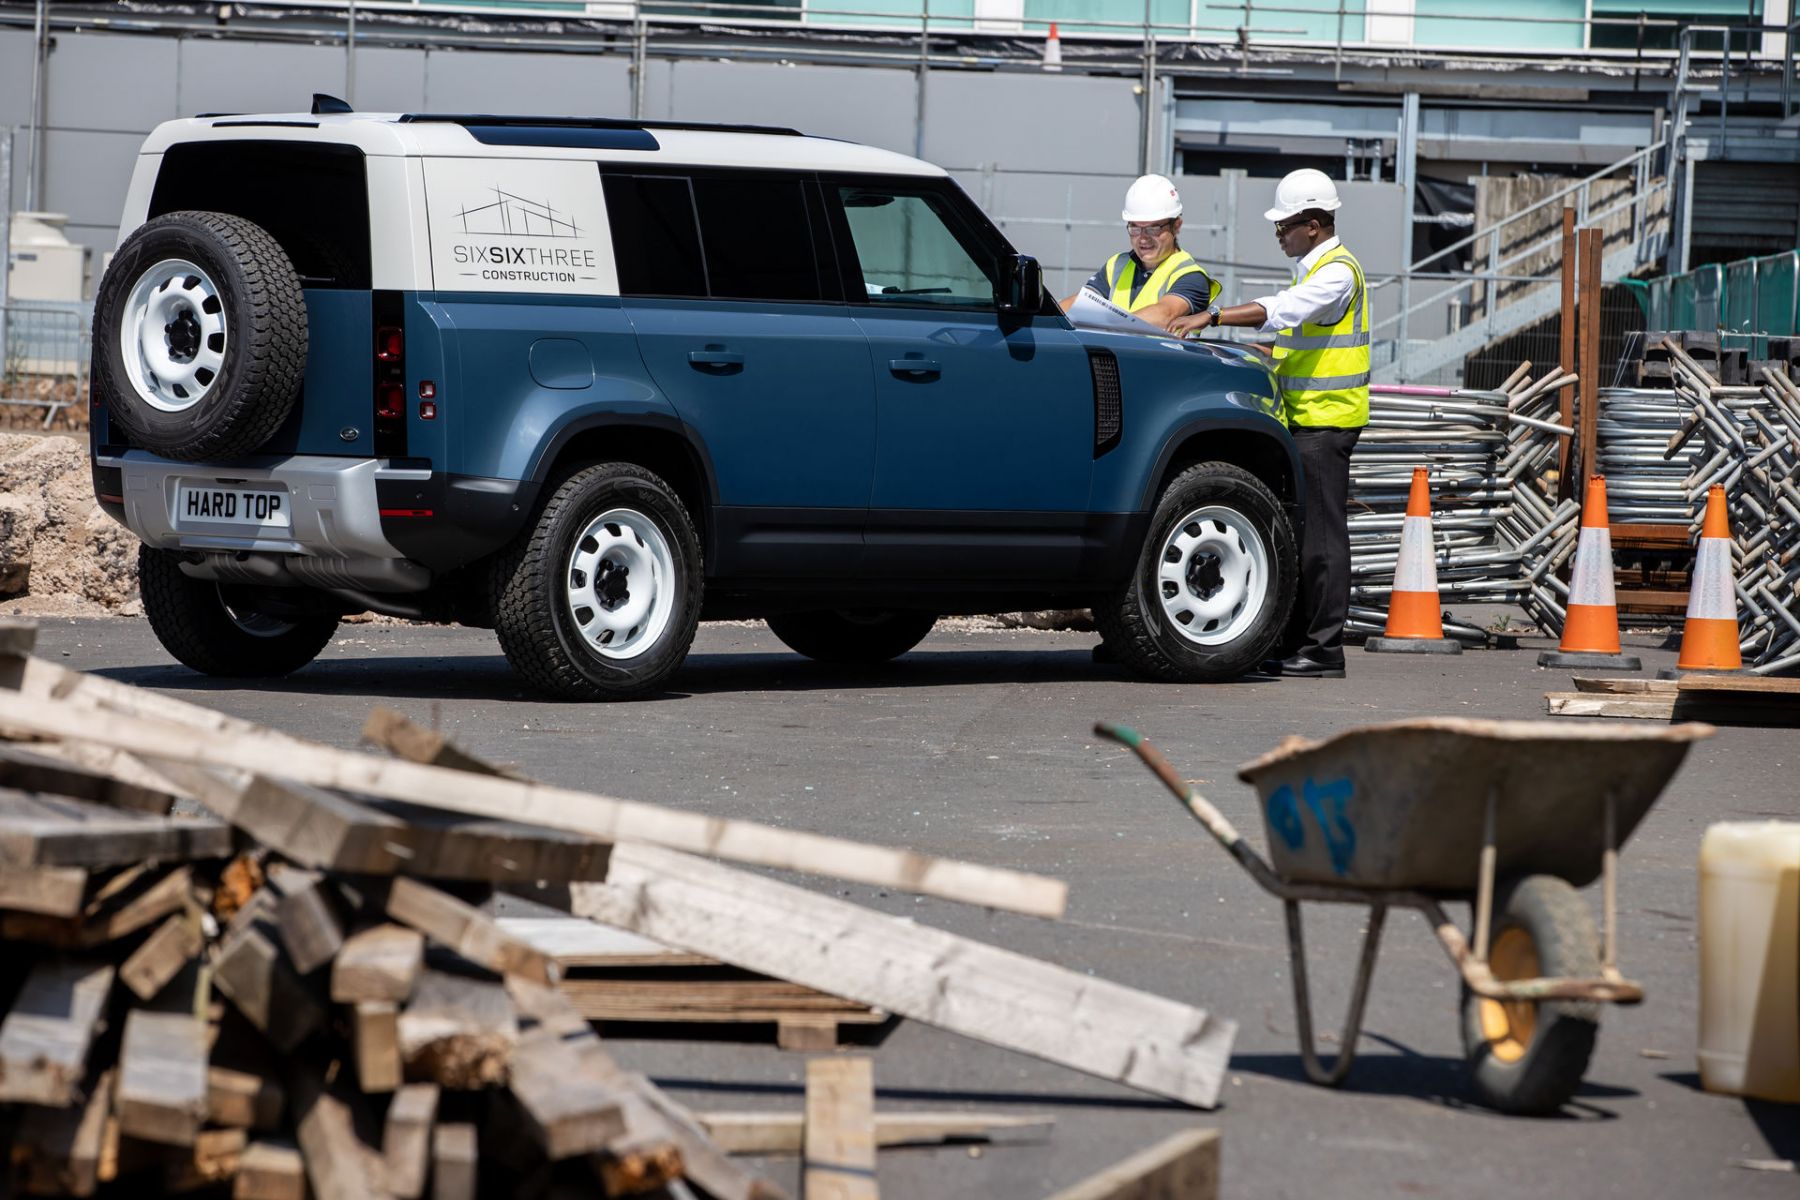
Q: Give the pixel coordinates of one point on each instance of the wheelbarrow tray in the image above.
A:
(1402, 806)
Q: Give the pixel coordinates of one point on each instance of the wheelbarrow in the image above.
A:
(1511, 816)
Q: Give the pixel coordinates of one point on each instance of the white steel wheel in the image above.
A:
(621, 583)
(172, 335)
(1212, 575)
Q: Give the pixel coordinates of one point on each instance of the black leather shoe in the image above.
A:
(1303, 664)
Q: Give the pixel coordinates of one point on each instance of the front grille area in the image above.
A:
(1109, 411)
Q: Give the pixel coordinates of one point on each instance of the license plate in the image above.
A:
(231, 506)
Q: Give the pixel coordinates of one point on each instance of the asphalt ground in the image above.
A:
(978, 746)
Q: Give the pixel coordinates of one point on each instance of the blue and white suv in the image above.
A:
(589, 382)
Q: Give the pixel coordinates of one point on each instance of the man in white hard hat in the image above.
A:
(1156, 280)
(1321, 327)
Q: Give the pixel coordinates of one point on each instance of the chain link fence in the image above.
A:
(44, 383)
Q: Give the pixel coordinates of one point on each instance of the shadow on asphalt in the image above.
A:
(961, 1096)
(1433, 1079)
(489, 677)
(1776, 1122)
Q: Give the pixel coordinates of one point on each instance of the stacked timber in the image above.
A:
(238, 962)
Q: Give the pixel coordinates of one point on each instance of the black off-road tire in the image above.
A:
(845, 636)
(1538, 1073)
(200, 623)
(264, 340)
(1134, 624)
(532, 615)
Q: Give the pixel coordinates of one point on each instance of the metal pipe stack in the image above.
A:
(1484, 450)
(1747, 439)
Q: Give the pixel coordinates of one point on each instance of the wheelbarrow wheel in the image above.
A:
(1528, 1056)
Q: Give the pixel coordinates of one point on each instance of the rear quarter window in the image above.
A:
(313, 199)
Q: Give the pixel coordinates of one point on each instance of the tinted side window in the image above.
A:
(759, 243)
(655, 241)
(912, 248)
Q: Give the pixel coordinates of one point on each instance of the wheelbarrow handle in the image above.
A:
(1223, 831)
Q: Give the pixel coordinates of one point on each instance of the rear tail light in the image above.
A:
(390, 401)
(389, 375)
(390, 344)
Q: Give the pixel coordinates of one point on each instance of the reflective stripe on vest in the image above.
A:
(1323, 370)
(1121, 270)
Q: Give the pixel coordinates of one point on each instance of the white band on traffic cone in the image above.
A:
(1417, 569)
(1593, 582)
(1711, 597)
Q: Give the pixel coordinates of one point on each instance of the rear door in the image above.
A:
(728, 278)
(984, 421)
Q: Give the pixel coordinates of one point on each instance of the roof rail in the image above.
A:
(593, 123)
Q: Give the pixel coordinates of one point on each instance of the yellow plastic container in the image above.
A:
(1750, 959)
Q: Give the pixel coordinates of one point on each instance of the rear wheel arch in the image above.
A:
(662, 445)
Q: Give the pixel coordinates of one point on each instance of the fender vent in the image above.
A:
(1109, 413)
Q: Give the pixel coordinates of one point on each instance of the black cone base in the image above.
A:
(1388, 645)
(1604, 662)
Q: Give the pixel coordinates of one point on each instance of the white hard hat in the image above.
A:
(1301, 190)
(1152, 198)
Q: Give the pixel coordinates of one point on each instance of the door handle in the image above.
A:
(914, 366)
(716, 360)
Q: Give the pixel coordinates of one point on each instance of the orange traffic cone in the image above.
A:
(1052, 50)
(1709, 640)
(1415, 622)
(1591, 629)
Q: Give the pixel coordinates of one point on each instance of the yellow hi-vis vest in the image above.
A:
(1121, 272)
(1323, 370)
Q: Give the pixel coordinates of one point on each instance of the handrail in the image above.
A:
(1577, 186)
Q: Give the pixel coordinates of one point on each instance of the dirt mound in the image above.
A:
(59, 554)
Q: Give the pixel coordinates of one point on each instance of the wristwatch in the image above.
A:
(1212, 310)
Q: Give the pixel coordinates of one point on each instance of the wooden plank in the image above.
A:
(45, 1038)
(568, 1111)
(1589, 704)
(458, 1032)
(213, 1160)
(766, 1133)
(467, 930)
(307, 916)
(1758, 685)
(406, 1140)
(604, 818)
(57, 1150)
(840, 1129)
(162, 1094)
(251, 971)
(1608, 686)
(42, 830)
(243, 1099)
(1114, 1032)
(453, 1162)
(48, 891)
(176, 943)
(574, 942)
(651, 1118)
(38, 769)
(1650, 537)
(1182, 1167)
(379, 963)
(18, 637)
(130, 901)
(270, 1169)
(375, 1031)
(339, 1164)
(414, 742)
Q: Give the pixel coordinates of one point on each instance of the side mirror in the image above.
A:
(1020, 288)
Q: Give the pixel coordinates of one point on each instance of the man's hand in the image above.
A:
(1190, 324)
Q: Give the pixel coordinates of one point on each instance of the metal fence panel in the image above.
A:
(47, 350)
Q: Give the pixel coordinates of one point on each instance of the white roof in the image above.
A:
(385, 134)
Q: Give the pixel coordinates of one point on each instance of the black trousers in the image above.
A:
(1316, 627)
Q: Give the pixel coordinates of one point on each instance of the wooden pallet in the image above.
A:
(1721, 699)
(618, 979)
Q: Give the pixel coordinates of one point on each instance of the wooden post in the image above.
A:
(1587, 451)
(406, 1140)
(44, 1041)
(1565, 485)
(162, 1077)
(840, 1129)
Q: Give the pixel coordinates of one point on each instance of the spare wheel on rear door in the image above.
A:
(199, 336)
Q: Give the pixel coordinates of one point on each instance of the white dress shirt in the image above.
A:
(1320, 300)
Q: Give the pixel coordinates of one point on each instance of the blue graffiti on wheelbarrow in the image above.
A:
(1326, 802)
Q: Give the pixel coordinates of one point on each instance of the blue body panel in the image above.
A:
(1001, 420)
(1174, 390)
(340, 379)
(781, 395)
(495, 420)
